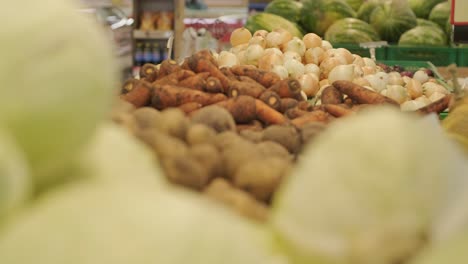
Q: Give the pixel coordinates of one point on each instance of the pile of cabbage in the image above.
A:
(379, 187)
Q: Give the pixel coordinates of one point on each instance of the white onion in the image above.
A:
(346, 54)
(414, 88)
(421, 76)
(358, 60)
(273, 39)
(397, 93)
(288, 55)
(312, 40)
(260, 32)
(375, 82)
(240, 36)
(281, 71)
(227, 59)
(267, 62)
(314, 55)
(239, 48)
(323, 83)
(361, 81)
(269, 51)
(395, 78)
(312, 68)
(295, 68)
(253, 53)
(411, 105)
(423, 99)
(430, 87)
(368, 70)
(326, 45)
(341, 72)
(327, 66)
(436, 96)
(296, 45)
(258, 40)
(285, 35)
(309, 84)
(369, 62)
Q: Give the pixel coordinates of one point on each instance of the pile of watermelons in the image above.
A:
(403, 22)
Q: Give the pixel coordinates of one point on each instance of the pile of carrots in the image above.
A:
(248, 93)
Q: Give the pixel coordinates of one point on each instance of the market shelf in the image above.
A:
(156, 34)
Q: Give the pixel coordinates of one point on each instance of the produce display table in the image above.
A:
(462, 72)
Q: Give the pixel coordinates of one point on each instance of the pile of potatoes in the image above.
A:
(208, 152)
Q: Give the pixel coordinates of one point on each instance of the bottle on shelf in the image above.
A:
(139, 54)
(156, 53)
(164, 51)
(147, 53)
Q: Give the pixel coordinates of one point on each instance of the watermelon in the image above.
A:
(440, 13)
(318, 15)
(354, 4)
(351, 30)
(428, 23)
(269, 22)
(422, 8)
(366, 9)
(423, 36)
(288, 9)
(392, 18)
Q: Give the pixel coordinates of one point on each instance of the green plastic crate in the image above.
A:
(408, 65)
(462, 56)
(439, 56)
(380, 53)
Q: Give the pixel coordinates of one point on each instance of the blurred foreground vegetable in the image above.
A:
(94, 223)
(367, 190)
(57, 73)
(15, 184)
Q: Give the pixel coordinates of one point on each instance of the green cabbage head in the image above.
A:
(367, 190)
(99, 223)
(57, 72)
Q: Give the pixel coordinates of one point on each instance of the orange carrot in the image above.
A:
(228, 73)
(206, 55)
(314, 116)
(265, 78)
(331, 95)
(287, 103)
(204, 65)
(167, 67)
(174, 77)
(128, 85)
(237, 88)
(242, 108)
(171, 95)
(140, 95)
(295, 112)
(149, 71)
(361, 94)
(268, 115)
(337, 110)
(287, 88)
(255, 125)
(436, 106)
(190, 107)
(213, 85)
(304, 105)
(196, 82)
(272, 99)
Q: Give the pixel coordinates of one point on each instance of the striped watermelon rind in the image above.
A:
(318, 15)
(351, 30)
(270, 22)
(422, 36)
(288, 9)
